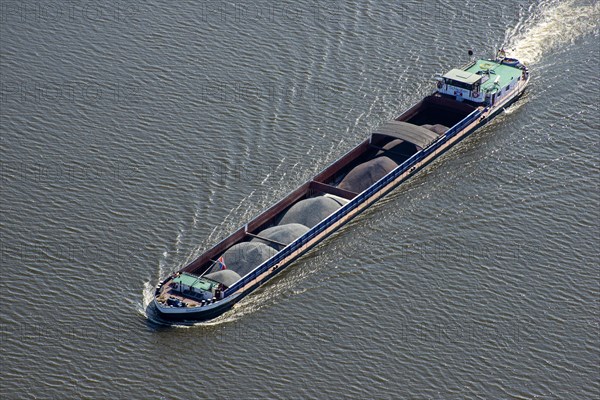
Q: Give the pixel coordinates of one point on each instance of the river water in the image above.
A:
(136, 135)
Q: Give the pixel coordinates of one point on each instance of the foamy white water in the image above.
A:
(550, 24)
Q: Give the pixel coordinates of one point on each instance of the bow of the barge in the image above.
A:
(187, 297)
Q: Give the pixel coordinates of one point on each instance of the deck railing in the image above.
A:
(353, 204)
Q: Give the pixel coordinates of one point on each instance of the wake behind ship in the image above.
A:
(464, 100)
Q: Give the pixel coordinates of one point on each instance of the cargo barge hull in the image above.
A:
(424, 132)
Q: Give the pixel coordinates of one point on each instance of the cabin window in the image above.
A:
(458, 84)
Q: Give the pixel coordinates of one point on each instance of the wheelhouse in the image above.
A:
(463, 85)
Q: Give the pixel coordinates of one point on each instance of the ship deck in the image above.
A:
(167, 291)
(505, 72)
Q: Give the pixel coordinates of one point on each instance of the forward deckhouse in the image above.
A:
(465, 99)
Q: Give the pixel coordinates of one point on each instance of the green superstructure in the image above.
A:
(191, 281)
(506, 73)
(483, 81)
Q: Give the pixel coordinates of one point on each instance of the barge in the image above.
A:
(464, 99)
